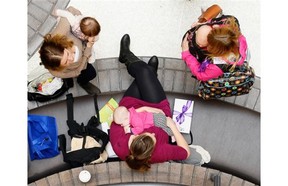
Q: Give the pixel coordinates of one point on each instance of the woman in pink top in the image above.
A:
(145, 93)
(215, 46)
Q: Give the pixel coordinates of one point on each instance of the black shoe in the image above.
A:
(153, 62)
(124, 47)
(90, 88)
(126, 56)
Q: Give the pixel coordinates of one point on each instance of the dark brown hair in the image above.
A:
(90, 26)
(52, 50)
(141, 150)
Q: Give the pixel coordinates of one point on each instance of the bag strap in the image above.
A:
(62, 144)
(75, 129)
(191, 138)
(70, 112)
(98, 134)
(96, 106)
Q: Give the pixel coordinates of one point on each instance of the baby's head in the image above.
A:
(121, 115)
(90, 26)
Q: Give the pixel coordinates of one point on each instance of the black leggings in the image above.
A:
(146, 85)
(87, 74)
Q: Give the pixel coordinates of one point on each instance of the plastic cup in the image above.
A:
(84, 176)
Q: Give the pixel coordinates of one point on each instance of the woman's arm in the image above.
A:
(180, 140)
(119, 140)
(211, 71)
(63, 27)
(149, 109)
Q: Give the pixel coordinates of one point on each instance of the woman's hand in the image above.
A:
(195, 24)
(149, 109)
(185, 43)
(91, 41)
(171, 123)
(180, 140)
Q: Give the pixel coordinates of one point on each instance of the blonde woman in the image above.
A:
(65, 56)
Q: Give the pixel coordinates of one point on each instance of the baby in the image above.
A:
(84, 28)
(135, 122)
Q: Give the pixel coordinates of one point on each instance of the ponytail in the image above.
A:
(141, 150)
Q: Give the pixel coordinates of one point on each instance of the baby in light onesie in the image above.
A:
(84, 28)
(135, 122)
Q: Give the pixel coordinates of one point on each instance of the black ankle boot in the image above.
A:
(90, 88)
(126, 56)
(153, 62)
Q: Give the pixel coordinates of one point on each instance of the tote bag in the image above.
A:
(235, 83)
(42, 137)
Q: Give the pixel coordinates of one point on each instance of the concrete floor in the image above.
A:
(159, 26)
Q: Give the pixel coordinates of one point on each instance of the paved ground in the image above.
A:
(155, 27)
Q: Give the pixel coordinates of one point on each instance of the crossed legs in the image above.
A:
(146, 85)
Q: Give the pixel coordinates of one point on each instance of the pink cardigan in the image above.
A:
(212, 71)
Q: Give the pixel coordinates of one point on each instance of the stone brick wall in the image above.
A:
(173, 74)
(161, 173)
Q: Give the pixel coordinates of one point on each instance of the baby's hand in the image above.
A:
(126, 128)
(91, 39)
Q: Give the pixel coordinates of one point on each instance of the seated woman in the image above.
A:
(146, 92)
(65, 56)
(213, 47)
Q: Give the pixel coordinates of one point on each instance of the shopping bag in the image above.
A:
(42, 137)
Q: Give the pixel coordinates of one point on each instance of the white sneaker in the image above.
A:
(204, 153)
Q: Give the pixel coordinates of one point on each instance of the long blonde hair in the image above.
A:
(223, 40)
(52, 50)
(141, 150)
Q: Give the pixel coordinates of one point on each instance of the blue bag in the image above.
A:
(42, 137)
